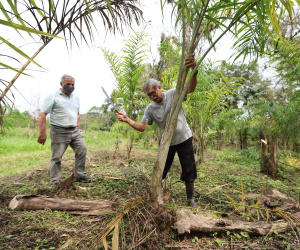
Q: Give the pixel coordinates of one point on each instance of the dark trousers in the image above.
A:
(187, 160)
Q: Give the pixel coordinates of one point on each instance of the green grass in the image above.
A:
(241, 167)
(17, 141)
(116, 179)
(19, 153)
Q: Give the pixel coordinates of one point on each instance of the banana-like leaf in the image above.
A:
(233, 200)
(127, 68)
(263, 212)
(88, 8)
(105, 243)
(32, 2)
(258, 200)
(11, 68)
(128, 207)
(243, 196)
(109, 6)
(6, 15)
(16, 13)
(115, 238)
(18, 50)
(20, 27)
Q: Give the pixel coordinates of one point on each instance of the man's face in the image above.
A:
(67, 86)
(68, 81)
(155, 94)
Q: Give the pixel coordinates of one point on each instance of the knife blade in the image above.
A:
(111, 102)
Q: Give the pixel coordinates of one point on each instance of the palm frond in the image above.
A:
(260, 25)
(285, 56)
(69, 17)
(131, 204)
(261, 212)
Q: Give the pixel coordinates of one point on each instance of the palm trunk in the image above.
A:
(264, 162)
(196, 142)
(222, 142)
(202, 142)
(156, 176)
(245, 143)
(202, 147)
(241, 141)
(284, 143)
(273, 147)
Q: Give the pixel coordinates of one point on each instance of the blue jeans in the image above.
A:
(61, 138)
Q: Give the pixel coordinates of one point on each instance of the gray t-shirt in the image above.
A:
(159, 112)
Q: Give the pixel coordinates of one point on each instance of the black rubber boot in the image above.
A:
(190, 195)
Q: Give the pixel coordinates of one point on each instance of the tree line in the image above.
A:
(232, 105)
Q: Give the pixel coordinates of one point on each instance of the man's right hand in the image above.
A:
(122, 117)
(42, 138)
(139, 126)
(42, 128)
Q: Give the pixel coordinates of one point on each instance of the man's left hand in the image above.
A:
(190, 61)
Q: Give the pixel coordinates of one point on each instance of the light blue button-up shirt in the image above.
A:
(63, 110)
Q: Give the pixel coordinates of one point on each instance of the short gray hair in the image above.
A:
(150, 83)
(65, 76)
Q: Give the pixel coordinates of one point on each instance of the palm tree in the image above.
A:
(127, 69)
(72, 19)
(205, 15)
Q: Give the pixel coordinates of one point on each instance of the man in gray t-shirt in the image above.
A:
(181, 142)
(158, 112)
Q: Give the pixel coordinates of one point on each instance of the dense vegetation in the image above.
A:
(234, 114)
(222, 173)
(245, 129)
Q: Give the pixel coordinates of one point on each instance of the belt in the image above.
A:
(63, 127)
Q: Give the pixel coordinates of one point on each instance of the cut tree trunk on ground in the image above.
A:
(22, 202)
(187, 222)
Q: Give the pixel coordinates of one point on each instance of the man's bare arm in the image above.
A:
(190, 62)
(139, 126)
(78, 121)
(42, 128)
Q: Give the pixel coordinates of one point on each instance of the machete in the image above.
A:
(115, 108)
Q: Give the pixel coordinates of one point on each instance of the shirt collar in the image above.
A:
(61, 93)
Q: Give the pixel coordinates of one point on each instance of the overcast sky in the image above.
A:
(87, 65)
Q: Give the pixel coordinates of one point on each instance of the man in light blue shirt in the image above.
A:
(63, 107)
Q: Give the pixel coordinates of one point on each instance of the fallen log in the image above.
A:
(187, 222)
(33, 202)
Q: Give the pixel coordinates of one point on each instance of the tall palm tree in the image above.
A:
(127, 69)
(72, 19)
(230, 16)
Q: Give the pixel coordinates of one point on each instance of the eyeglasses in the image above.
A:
(152, 93)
